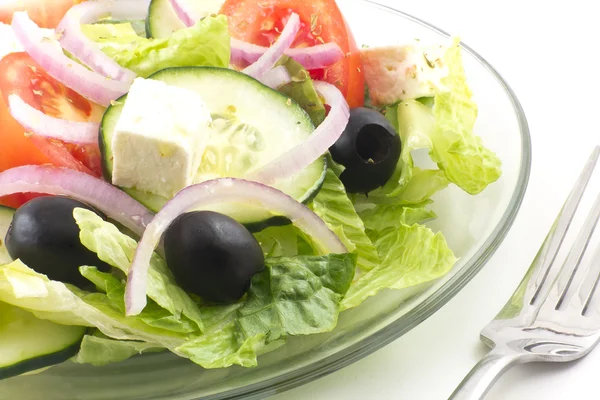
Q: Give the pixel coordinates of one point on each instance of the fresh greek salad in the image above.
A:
(213, 177)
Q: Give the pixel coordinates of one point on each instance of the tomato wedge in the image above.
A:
(19, 74)
(45, 13)
(261, 21)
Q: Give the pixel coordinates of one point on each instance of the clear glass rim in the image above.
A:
(442, 295)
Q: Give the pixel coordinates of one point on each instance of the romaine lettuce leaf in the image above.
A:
(383, 216)
(305, 248)
(25, 288)
(278, 241)
(302, 90)
(117, 249)
(112, 37)
(411, 255)
(113, 294)
(409, 185)
(292, 296)
(223, 347)
(68, 305)
(205, 44)
(421, 187)
(100, 350)
(297, 295)
(336, 209)
(456, 150)
(414, 122)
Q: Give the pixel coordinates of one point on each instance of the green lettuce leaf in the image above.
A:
(297, 296)
(292, 296)
(278, 241)
(384, 216)
(414, 122)
(100, 350)
(302, 90)
(205, 44)
(336, 209)
(112, 37)
(427, 101)
(456, 150)
(305, 248)
(224, 343)
(409, 185)
(411, 255)
(68, 305)
(113, 294)
(223, 347)
(423, 185)
(117, 249)
(25, 288)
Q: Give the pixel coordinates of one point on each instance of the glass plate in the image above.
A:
(473, 226)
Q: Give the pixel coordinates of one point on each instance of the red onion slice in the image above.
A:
(43, 50)
(183, 12)
(277, 77)
(224, 190)
(75, 42)
(315, 57)
(313, 147)
(83, 187)
(274, 53)
(41, 124)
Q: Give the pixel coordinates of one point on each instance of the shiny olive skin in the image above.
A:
(212, 255)
(369, 149)
(44, 235)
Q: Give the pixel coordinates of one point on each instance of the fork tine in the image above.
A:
(537, 289)
(588, 289)
(569, 279)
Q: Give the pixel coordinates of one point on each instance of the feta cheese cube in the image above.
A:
(395, 73)
(159, 138)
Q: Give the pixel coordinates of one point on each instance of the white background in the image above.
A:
(548, 51)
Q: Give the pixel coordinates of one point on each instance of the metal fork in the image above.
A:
(545, 320)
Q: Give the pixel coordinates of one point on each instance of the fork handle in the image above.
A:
(483, 375)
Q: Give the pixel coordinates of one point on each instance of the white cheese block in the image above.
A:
(402, 72)
(159, 138)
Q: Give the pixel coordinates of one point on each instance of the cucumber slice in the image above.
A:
(28, 343)
(162, 21)
(252, 125)
(6, 216)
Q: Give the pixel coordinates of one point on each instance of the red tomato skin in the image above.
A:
(260, 22)
(45, 13)
(20, 75)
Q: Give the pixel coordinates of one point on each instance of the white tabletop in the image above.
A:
(548, 51)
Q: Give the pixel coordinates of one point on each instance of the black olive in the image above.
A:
(212, 255)
(44, 235)
(369, 148)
